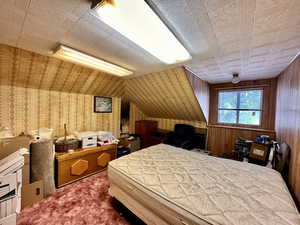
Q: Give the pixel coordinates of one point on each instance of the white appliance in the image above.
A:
(10, 189)
(88, 139)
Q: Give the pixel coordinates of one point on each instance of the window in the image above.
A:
(240, 107)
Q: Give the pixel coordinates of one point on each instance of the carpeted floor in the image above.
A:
(85, 202)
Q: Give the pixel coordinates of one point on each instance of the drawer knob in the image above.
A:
(79, 167)
(103, 159)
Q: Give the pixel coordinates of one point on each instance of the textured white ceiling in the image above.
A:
(257, 38)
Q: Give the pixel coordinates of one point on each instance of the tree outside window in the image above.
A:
(240, 107)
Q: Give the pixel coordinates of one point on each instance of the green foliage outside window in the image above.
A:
(240, 107)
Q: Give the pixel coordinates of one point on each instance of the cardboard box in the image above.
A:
(26, 174)
(32, 193)
(26, 170)
(26, 159)
(11, 145)
(9, 220)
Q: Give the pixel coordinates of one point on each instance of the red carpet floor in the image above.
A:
(85, 202)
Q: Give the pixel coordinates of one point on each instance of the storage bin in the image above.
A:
(88, 139)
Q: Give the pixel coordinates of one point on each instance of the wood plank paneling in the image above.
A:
(167, 94)
(163, 123)
(22, 68)
(221, 138)
(201, 90)
(168, 124)
(288, 120)
(26, 109)
(135, 114)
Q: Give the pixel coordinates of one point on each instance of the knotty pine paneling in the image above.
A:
(27, 69)
(201, 91)
(167, 94)
(26, 109)
(135, 114)
(288, 120)
(166, 124)
(221, 138)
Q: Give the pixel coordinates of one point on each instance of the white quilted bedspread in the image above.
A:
(217, 190)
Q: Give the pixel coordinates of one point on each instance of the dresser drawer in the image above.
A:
(73, 167)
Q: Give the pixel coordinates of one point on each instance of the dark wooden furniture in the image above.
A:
(144, 128)
(158, 136)
(259, 151)
(81, 163)
(132, 144)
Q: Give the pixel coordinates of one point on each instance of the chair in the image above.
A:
(281, 158)
(182, 136)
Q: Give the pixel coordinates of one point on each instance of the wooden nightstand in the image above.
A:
(81, 163)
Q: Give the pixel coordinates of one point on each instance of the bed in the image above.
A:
(163, 184)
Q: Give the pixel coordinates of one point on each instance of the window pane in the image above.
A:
(249, 117)
(250, 99)
(228, 100)
(227, 116)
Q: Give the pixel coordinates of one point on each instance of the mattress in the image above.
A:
(208, 189)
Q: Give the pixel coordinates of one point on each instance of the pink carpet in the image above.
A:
(85, 202)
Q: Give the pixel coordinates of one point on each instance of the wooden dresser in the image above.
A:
(144, 128)
(81, 163)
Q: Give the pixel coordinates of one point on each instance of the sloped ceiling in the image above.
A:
(257, 38)
(27, 69)
(171, 94)
(166, 94)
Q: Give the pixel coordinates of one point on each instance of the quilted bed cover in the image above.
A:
(219, 191)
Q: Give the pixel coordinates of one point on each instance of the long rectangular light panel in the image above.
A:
(135, 20)
(64, 52)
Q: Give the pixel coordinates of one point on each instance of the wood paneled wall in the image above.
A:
(22, 68)
(135, 114)
(221, 138)
(167, 94)
(288, 120)
(168, 124)
(26, 109)
(201, 91)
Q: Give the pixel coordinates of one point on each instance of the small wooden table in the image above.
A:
(81, 163)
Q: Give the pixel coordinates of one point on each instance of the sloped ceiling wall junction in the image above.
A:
(167, 94)
(22, 68)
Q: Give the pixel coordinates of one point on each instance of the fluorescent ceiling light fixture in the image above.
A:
(64, 52)
(135, 20)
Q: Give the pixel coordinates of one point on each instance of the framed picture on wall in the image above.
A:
(102, 104)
